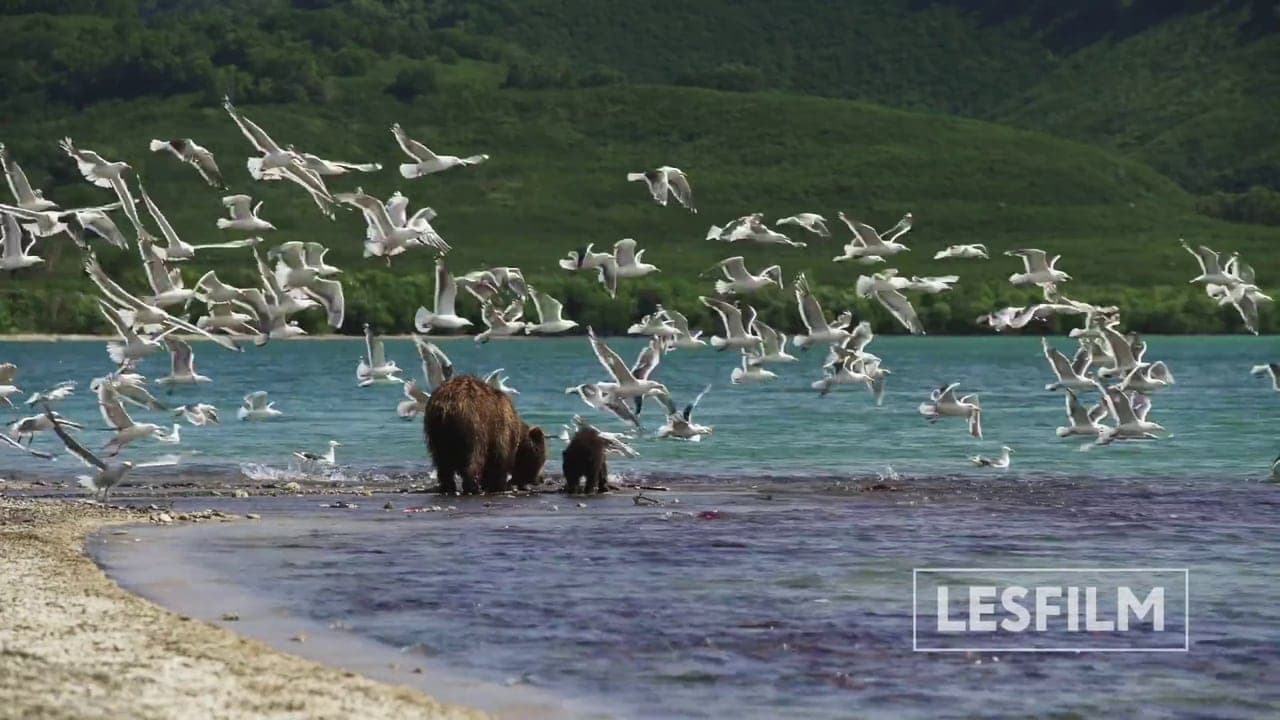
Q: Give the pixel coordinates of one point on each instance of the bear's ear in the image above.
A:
(535, 434)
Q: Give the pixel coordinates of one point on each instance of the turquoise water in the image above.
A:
(1218, 415)
(768, 584)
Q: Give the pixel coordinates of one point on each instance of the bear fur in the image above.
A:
(473, 431)
(584, 459)
(531, 456)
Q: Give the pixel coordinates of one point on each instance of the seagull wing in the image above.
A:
(17, 179)
(735, 268)
(624, 252)
(411, 147)
(166, 229)
(810, 309)
(679, 184)
(610, 360)
(446, 291)
(19, 446)
(730, 315)
(1082, 360)
(377, 351)
(329, 294)
(111, 409)
(73, 446)
(648, 360)
(549, 308)
(256, 400)
(1061, 367)
(12, 233)
(256, 135)
(1076, 412)
(204, 163)
(181, 358)
(688, 410)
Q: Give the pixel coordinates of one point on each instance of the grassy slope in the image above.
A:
(556, 182)
(1192, 97)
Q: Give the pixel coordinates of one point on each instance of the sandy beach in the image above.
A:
(75, 645)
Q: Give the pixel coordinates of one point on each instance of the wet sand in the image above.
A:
(75, 645)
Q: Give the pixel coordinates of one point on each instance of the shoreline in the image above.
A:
(75, 644)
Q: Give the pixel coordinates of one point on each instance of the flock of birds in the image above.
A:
(293, 277)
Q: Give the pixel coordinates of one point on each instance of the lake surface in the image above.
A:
(768, 583)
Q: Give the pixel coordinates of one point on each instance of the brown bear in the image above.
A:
(473, 430)
(531, 456)
(584, 459)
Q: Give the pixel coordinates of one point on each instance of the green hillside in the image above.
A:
(1190, 87)
(556, 177)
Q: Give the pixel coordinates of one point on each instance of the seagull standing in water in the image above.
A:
(999, 463)
(256, 407)
(664, 183)
(316, 460)
(374, 366)
(426, 162)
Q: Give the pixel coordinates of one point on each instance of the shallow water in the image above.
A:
(1215, 411)
(793, 599)
(790, 602)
